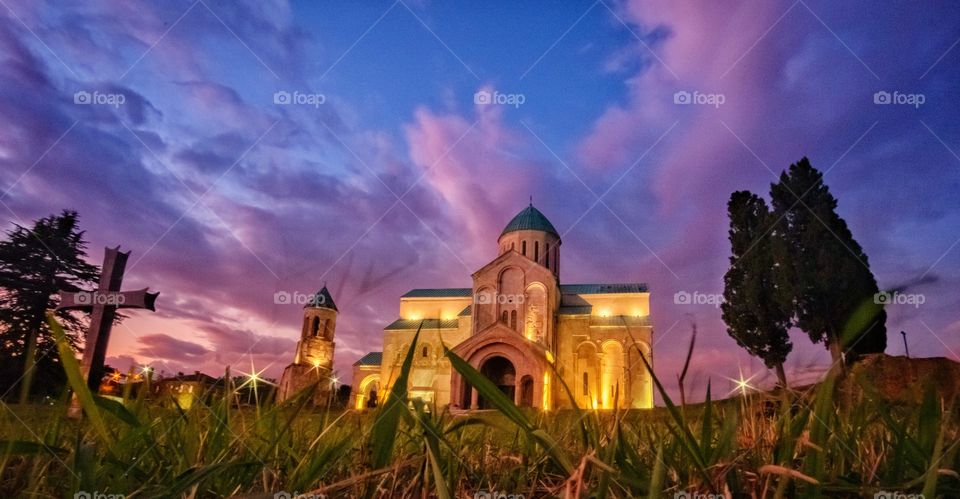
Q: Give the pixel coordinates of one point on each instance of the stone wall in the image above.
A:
(902, 379)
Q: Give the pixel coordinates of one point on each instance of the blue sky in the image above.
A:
(226, 197)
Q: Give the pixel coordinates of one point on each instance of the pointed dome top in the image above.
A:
(322, 299)
(530, 218)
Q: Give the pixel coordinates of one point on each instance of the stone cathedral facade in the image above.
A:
(511, 324)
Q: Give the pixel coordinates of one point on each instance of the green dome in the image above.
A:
(530, 219)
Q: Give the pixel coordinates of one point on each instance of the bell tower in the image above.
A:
(316, 344)
(313, 362)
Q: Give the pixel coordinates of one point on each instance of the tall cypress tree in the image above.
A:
(756, 317)
(826, 278)
(34, 264)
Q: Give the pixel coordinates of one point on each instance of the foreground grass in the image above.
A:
(218, 450)
(788, 445)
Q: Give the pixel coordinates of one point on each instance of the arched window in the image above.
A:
(426, 351)
(513, 320)
(513, 245)
(586, 383)
(546, 256)
(536, 251)
(611, 373)
(315, 328)
(523, 248)
(503, 317)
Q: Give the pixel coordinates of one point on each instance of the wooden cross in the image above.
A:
(102, 305)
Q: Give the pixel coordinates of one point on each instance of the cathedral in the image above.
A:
(520, 327)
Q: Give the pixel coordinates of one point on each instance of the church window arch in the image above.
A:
(536, 251)
(612, 373)
(587, 363)
(485, 306)
(513, 320)
(503, 317)
(315, 326)
(546, 256)
(523, 248)
(535, 319)
(425, 351)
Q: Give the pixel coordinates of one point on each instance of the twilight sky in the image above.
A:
(160, 123)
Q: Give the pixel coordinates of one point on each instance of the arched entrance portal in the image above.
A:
(501, 372)
(367, 396)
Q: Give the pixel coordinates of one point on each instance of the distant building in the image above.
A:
(187, 389)
(518, 325)
(313, 362)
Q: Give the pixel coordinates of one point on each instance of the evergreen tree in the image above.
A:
(756, 316)
(826, 280)
(34, 264)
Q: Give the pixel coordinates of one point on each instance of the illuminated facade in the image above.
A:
(513, 323)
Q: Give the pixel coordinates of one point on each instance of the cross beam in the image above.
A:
(102, 304)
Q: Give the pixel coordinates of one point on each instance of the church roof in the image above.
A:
(530, 218)
(321, 299)
(370, 359)
(438, 293)
(567, 289)
(427, 324)
(597, 289)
